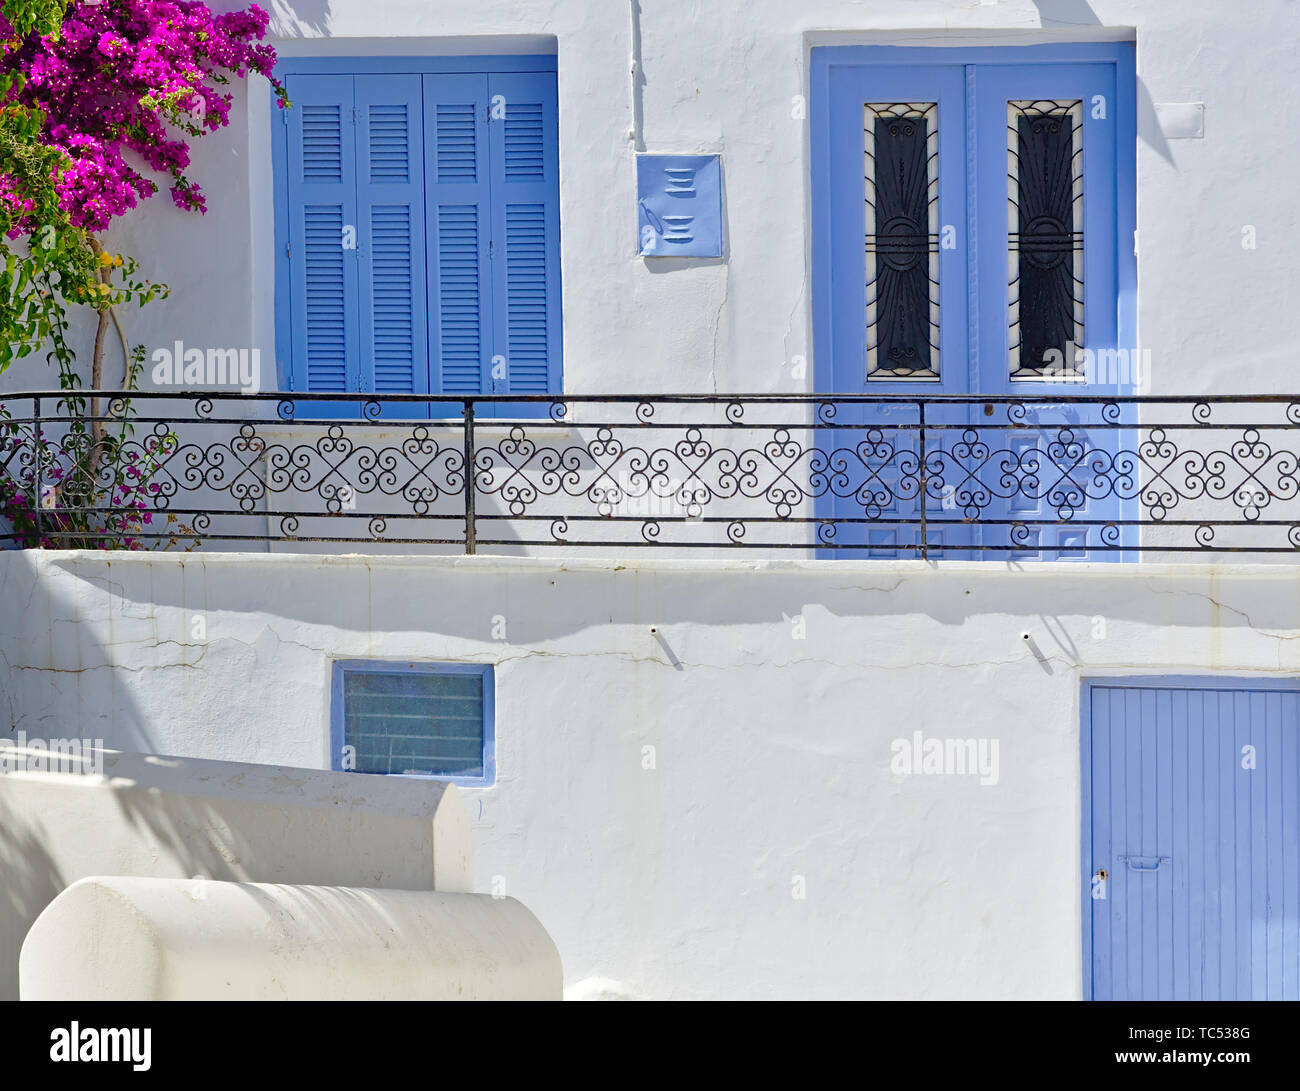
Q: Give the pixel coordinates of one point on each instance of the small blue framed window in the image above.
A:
(414, 719)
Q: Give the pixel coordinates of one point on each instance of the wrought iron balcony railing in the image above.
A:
(996, 477)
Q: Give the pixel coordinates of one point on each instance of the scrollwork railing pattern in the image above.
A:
(934, 477)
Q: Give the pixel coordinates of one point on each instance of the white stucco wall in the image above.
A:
(771, 752)
(722, 77)
(771, 695)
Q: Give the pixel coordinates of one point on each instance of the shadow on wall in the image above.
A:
(29, 880)
(42, 702)
(51, 650)
(343, 597)
(59, 683)
(1056, 14)
(304, 19)
(1065, 13)
(39, 856)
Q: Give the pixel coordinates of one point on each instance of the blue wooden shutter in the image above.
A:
(459, 229)
(391, 237)
(525, 232)
(322, 201)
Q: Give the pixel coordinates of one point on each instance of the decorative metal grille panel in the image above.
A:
(1045, 237)
(1198, 475)
(901, 145)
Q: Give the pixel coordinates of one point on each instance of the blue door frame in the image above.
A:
(1202, 853)
(971, 88)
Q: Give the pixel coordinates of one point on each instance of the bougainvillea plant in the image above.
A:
(137, 76)
(98, 103)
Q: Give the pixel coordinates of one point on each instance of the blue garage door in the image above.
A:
(1191, 841)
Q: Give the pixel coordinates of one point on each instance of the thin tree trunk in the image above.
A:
(97, 365)
(105, 313)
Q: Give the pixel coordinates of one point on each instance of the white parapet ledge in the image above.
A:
(642, 560)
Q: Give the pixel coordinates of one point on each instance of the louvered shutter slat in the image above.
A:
(321, 192)
(392, 256)
(457, 203)
(525, 199)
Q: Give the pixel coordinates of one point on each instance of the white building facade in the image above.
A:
(838, 646)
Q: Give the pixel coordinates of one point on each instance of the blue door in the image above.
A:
(893, 140)
(972, 236)
(1191, 840)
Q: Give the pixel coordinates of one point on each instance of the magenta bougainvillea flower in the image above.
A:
(124, 85)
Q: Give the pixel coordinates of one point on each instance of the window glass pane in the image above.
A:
(901, 144)
(1045, 237)
(414, 722)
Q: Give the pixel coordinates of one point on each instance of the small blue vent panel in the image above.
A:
(679, 206)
